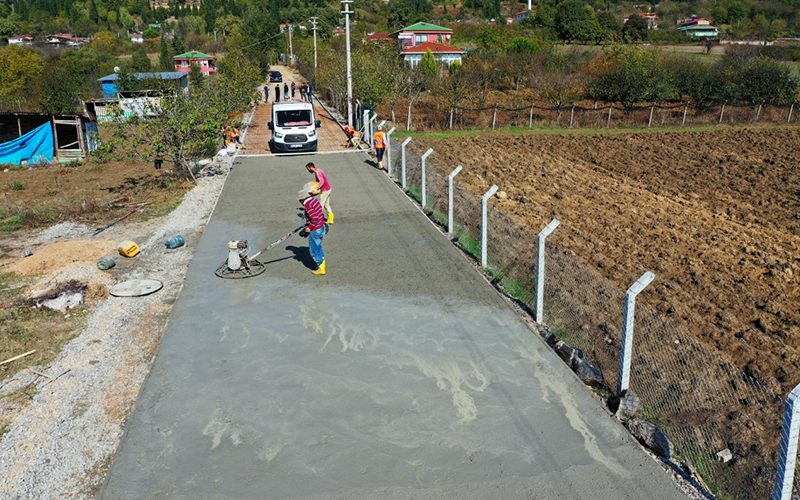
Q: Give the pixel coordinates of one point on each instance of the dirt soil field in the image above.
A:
(716, 216)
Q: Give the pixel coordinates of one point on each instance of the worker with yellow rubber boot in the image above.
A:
(315, 226)
(379, 139)
(323, 189)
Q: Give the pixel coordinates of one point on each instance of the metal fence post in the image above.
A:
(422, 173)
(450, 198)
(403, 160)
(382, 123)
(389, 149)
(484, 221)
(540, 269)
(787, 458)
(627, 330)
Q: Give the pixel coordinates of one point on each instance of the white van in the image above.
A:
(294, 127)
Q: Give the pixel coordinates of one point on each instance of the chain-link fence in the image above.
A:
(701, 402)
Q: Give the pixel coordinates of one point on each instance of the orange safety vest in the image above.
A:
(379, 141)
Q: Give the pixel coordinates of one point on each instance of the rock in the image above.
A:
(587, 372)
(724, 455)
(651, 436)
(626, 406)
(567, 352)
(548, 336)
(502, 195)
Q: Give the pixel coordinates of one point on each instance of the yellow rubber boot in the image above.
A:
(321, 269)
(330, 218)
(380, 165)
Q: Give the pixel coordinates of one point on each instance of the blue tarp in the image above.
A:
(34, 147)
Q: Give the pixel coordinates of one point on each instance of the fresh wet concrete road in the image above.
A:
(401, 374)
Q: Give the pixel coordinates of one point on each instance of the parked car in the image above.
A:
(275, 76)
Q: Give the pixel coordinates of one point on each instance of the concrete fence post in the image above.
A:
(485, 221)
(685, 109)
(609, 115)
(758, 112)
(494, 117)
(403, 161)
(450, 198)
(627, 331)
(389, 149)
(371, 130)
(571, 115)
(365, 131)
(540, 268)
(382, 123)
(422, 174)
(787, 455)
(650, 120)
(791, 108)
(721, 112)
(530, 117)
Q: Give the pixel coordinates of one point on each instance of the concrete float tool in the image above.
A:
(241, 265)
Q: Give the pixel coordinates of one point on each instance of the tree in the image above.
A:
(261, 28)
(7, 29)
(428, 67)
(193, 24)
(401, 13)
(165, 54)
(185, 125)
(59, 91)
(177, 46)
(767, 81)
(544, 17)
(227, 24)
(697, 80)
(105, 41)
(736, 12)
(630, 75)
(20, 69)
(609, 25)
(140, 62)
(719, 14)
(150, 33)
(576, 21)
(93, 15)
(635, 30)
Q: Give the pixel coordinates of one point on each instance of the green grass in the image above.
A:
(11, 223)
(16, 186)
(539, 130)
(416, 193)
(467, 243)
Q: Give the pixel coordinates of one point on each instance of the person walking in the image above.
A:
(315, 227)
(293, 87)
(323, 188)
(266, 93)
(308, 91)
(285, 92)
(277, 93)
(379, 139)
(303, 92)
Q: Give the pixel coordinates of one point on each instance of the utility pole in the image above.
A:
(347, 13)
(291, 52)
(314, 27)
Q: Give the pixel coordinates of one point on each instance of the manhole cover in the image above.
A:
(135, 288)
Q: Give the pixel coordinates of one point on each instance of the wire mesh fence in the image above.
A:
(427, 114)
(701, 402)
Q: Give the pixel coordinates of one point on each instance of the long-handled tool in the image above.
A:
(241, 265)
(141, 206)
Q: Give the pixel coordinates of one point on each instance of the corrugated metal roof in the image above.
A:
(164, 75)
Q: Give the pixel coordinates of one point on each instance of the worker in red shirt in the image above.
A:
(323, 189)
(379, 139)
(315, 227)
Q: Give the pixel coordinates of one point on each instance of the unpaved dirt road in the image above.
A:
(716, 215)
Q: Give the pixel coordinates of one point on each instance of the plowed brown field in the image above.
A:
(716, 215)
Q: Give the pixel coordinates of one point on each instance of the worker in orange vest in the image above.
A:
(233, 135)
(379, 139)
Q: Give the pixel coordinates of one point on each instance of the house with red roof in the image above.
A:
(650, 17)
(378, 36)
(418, 33)
(444, 54)
(184, 62)
(20, 40)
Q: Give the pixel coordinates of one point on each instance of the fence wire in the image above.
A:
(701, 402)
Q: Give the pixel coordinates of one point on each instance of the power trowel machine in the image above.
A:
(240, 264)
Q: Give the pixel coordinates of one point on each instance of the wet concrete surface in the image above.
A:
(401, 374)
